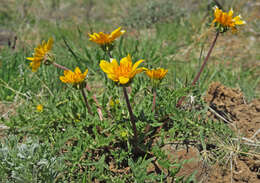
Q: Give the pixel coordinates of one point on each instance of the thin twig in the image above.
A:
(218, 115)
(256, 133)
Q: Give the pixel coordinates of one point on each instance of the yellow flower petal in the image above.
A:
(114, 63)
(156, 74)
(106, 66)
(116, 33)
(39, 54)
(77, 70)
(75, 77)
(113, 77)
(230, 13)
(85, 73)
(103, 38)
(123, 80)
(137, 64)
(226, 20)
(39, 108)
(123, 72)
(49, 44)
(127, 61)
(30, 58)
(238, 21)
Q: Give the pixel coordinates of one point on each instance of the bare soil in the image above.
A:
(232, 106)
(244, 119)
(227, 105)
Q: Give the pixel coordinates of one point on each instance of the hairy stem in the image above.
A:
(201, 68)
(154, 100)
(132, 118)
(60, 66)
(86, 101)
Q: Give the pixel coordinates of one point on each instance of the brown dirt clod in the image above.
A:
(245, 119)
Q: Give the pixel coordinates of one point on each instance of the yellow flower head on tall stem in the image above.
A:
(40, 54)
(121, 73)
(226, 20)
(104, 39)
(156, 74)
(75, 77)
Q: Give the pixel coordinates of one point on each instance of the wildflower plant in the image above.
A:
(106, 40)
(77, 79)
(225, 20)
(39, 108)
(100, 148)
(156, 75)
(41, 55)
(123, 74)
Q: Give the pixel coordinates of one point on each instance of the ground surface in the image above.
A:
(216, 138)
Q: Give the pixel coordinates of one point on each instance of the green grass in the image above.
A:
(62, 143)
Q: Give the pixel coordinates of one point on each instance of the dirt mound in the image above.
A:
(230, 106)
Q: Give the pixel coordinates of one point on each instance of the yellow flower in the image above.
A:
(156, 74)
(39, 108)
(226, 20)
(124, 134)
(40, 53)
(122, 73)
(103, 38)
(75, 77)
(112, 102)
